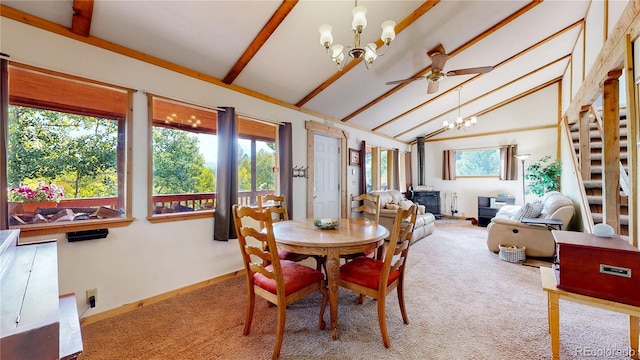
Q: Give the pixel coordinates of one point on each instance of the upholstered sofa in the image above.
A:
(390, 200)
(507, 227)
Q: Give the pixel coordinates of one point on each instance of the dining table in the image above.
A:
(351, 236)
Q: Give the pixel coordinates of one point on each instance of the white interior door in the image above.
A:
(326, 197)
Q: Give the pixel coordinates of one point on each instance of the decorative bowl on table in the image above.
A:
(326, 224)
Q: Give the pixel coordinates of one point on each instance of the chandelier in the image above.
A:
(369, 51)
(460, 123)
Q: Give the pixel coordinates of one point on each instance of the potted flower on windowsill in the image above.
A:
(32, 198)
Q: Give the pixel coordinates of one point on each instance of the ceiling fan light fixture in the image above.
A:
(358, 24)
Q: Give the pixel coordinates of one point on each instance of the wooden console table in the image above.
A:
(553, 302)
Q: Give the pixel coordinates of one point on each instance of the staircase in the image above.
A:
(593, 185)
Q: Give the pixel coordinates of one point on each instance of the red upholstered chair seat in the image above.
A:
(296, 277)
(365, 271)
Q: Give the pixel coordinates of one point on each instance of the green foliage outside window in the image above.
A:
(265, 161)
(244, 171)
(76, 152)
(484, 162)
(265, 178)
(178, 165)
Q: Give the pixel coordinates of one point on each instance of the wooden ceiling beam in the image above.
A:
(453, 53)
(415, 15)
(82, 15)
(276, 19)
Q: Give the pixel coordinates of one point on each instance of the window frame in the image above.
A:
(176, 216)
(124, 142)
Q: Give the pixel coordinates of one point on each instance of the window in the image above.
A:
(66, 143)
(184, 156)
(478, 162)
(256, 163)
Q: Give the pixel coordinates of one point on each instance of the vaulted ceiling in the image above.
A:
(271, 50)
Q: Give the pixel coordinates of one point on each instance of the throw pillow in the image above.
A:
(529, 210)
(405, 204)
(392, 206)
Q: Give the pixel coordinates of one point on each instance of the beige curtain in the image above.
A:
(449, 165)
(508, 162)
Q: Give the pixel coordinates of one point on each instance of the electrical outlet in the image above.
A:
(92, 293)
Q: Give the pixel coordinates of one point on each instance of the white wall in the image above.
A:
(536, 110)
(143, 260)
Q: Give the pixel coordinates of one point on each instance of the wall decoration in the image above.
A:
(354, 157)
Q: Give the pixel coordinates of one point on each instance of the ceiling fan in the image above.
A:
(438, 59)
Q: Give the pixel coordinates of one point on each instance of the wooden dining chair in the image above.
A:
(281, 282)
(378, 278)
(278, 206)
(366, 207)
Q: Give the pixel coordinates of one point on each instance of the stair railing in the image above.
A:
(624, 177)
(585, 210)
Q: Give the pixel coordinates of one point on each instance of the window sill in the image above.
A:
(68, 226)
(162, 218)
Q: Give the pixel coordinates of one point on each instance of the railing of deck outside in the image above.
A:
(197, 201)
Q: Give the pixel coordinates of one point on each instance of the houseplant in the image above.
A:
(543, 176)
(42, 195)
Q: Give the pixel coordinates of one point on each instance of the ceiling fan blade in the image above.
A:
(438, 60)
(404, 80)
(475, 70)
(433, 87)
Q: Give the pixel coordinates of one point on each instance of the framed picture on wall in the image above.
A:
(354, 157)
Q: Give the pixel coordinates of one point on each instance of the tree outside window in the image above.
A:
(76, 152)
(483, 162)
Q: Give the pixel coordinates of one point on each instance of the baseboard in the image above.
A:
(154, 299)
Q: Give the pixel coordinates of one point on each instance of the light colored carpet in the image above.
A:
(462, 301)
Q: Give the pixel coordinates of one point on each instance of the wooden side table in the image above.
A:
(553, 302)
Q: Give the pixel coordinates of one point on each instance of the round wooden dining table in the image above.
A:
(350, 237)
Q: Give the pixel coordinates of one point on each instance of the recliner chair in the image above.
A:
(507, 229)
